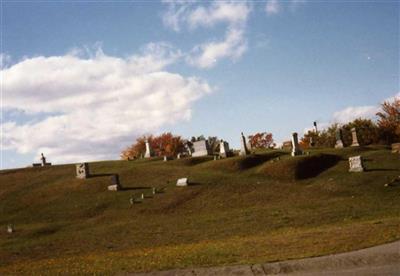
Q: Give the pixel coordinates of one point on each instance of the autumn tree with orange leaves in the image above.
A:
(389, 121)
(261, 140)
(165, 144)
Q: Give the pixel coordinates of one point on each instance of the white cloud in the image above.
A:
(354, 112)
(232, 13)
(351, 113)
(96, 105)
(207, 55)
(391, 99)
(176, 13)
(272, 7)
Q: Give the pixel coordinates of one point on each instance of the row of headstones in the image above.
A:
(339, 141)
(339, 138)
(201, 148)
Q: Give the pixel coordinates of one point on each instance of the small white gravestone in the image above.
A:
(113, 188)
(165, 158)
(10, 228)
(356, 164)
(116, 186)
(182, 182)
(82, 170)
(178, 156)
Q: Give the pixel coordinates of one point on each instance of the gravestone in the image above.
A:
(10, 229)
(354, 137)
(43, 159)
(312, 143)
(82, 170)
(295, 145)
(315, 128)
(165, 158)
(201, 148)
(287, 145)
(396, 148)
(223, 149)
(339, 139)
(115, 185)
(178, 156)
(149, 152)
(182, 182)
(243, 146)
(356, 164)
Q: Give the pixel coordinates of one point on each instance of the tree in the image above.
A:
(261, 140)
(389, 121)
(367, 132)
(323, 139)
(137, 149)
(165, 144)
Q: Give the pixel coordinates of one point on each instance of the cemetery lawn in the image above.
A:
(239, 210)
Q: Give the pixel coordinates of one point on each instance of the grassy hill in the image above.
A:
(259, 208)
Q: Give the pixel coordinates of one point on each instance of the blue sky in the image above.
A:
(81, 80)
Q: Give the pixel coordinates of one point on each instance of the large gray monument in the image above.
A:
(243, 146)
(201, 148)
(295, 145)
(339, 139)
(354, 137)
(82, 170)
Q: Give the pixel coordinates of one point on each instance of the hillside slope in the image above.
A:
(232, 214)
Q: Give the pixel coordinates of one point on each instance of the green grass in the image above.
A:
(241, 210)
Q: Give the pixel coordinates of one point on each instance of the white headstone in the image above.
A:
(356, 164)
(148, 153)
(295, 145)
(82, 170)
(201, 148)
(165, 158)
(113, 187)
(10, 228)
(182, 182)
(178, 156)
(223, 149)
(243, 146)
(354, 137)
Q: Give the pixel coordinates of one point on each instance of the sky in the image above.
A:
(81, 80)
